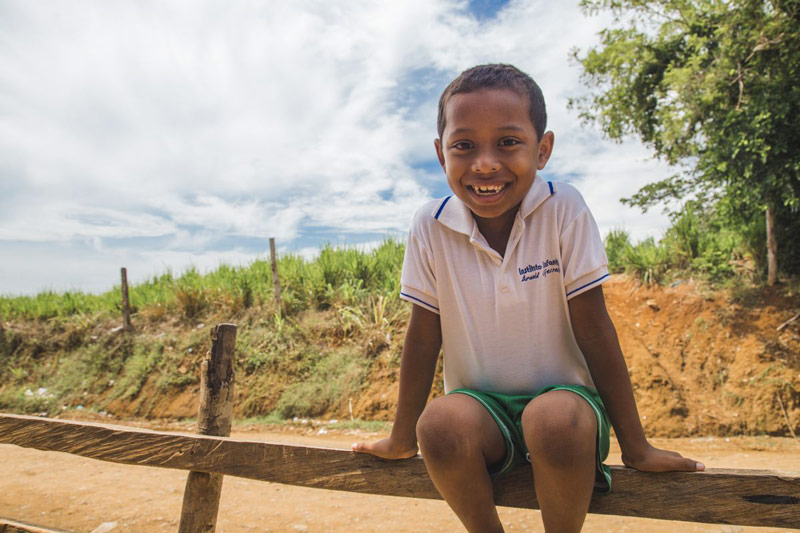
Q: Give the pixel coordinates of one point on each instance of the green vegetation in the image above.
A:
(698, 245)
(345, 276)
(340, 325)
(711, 87)
(339, 313)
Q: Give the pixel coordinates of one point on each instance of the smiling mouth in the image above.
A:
(487, 190)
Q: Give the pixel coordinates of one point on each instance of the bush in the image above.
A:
(647, 261)
(617, 243)
(699, 242)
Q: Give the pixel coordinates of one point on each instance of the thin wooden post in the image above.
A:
(275, 279)
(126, 307)
(214, 417)
(772, 245)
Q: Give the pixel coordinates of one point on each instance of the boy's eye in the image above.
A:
(508, 142)
(462, 145)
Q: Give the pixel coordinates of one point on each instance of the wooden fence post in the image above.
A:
(214, 417)
(126, 307)
(275, 279)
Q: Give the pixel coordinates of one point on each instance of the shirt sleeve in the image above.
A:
(418, 280)
(583, 254)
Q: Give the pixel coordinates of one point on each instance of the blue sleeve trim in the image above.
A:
(590, 283)
(439, 212)
(418, 300)
(550, 184)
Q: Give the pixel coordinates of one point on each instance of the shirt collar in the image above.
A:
(452, 213)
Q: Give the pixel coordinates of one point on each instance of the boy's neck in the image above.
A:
(497, 230)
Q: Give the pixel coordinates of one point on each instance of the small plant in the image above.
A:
(351, 320)
(191, 301)
(617, 243)
(279, 322)
(18, 374)
(647, 261)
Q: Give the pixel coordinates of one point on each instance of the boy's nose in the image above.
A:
(485, 165)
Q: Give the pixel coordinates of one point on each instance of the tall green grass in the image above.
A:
(697, 243)
(346, 275)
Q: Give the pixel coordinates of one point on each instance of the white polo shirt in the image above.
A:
(505, 320)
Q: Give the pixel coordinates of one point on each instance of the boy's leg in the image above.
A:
(560, 431)
(458, 438)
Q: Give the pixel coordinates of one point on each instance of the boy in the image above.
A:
(505, 277)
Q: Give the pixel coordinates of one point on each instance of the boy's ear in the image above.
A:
(439, 153)
(545, 149)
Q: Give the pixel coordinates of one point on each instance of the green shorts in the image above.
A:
(507, 412)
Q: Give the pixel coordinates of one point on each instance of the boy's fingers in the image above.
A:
(688, 465)
(694, 466)
(667, 461)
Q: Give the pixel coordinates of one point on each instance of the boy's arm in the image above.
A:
(598, 341)
(417, 368)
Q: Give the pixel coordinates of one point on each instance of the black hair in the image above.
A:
(497, 76)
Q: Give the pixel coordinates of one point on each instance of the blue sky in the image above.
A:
(159, 135)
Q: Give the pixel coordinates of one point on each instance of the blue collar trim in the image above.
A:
(439, 212)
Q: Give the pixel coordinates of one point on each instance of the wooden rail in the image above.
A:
(725, 496)
(15, 526)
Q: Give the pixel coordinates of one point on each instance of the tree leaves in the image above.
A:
(707, 84)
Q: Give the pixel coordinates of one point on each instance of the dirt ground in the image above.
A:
(76, 494)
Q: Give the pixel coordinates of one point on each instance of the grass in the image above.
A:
(339, 312)
(331, 377)
(337, 276)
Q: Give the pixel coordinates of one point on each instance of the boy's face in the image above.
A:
(489, 150)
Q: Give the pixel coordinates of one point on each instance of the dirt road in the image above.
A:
(76, 494)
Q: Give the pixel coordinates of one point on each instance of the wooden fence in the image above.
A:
(725, 496)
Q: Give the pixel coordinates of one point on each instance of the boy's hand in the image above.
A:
(656, 460)
(385, 449)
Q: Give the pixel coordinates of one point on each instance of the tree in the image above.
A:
(712, 86)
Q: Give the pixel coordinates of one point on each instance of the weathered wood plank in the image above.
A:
(13, 526)
(727, 496)
(214, 417)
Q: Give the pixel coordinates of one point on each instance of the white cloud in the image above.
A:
(170, 129)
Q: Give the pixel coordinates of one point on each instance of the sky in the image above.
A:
(159, 135)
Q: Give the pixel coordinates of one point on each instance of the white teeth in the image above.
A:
(487, 189)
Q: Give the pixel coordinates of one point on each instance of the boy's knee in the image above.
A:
(445, 432)
(560, 428)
